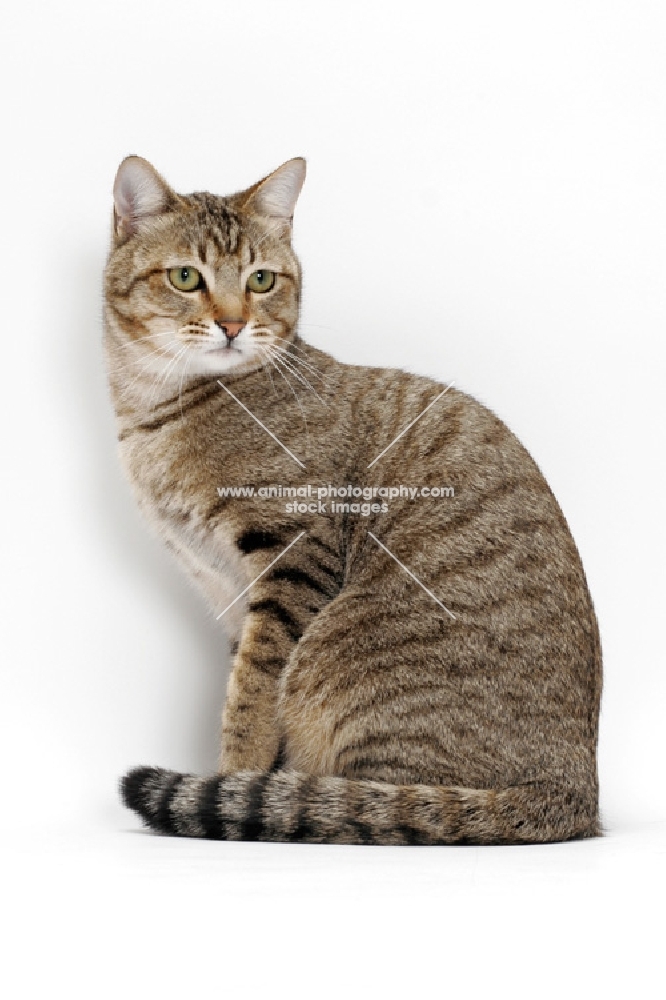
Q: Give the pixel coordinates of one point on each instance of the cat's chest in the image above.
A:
(170, 473)
(176, 487)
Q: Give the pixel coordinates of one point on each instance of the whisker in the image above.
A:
(162, 379)
(278, 355)
(255, 333)
(126, 389)
(137, 340)
(197, 327)
(286, 345)
(320, 326)
(296, 346)
(266, 331)
(267, 366)
(301, 361)
(188, 358)
(280, 364)
(144, 357)
(298, 402)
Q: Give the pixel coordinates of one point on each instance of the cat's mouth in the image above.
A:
(224, 349)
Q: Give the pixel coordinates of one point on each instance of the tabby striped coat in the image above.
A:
(426, 673)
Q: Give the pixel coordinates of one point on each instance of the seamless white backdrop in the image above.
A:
(485, 202)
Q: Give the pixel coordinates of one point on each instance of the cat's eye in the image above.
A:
(185, 279)
(261, 281)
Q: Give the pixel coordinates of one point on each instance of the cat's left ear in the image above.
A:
(139, 193)
(275, 196)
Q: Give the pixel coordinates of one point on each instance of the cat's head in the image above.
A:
(204, 283)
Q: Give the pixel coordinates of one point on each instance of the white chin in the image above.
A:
(222, 360)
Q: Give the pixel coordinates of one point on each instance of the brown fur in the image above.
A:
(358, 710)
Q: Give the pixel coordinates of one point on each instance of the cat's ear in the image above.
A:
(139, 193)
(275, 196)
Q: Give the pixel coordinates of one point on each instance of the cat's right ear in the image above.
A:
(139, 194)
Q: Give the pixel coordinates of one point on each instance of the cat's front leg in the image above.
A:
(250, 736)
(284, 603)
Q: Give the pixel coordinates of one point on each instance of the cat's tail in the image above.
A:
(291, 806)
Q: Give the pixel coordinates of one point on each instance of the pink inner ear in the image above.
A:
(277, 195)
(138, 191)
(123, 197)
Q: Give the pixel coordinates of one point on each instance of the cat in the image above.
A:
(411, 670)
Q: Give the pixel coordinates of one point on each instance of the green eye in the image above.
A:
(185, 279)
(261, 281)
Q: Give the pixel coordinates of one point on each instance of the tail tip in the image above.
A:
(133, 786)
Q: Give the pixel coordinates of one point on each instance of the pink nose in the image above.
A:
(230, 328)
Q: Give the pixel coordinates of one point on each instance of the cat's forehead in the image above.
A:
(216, 229)
(215, 222)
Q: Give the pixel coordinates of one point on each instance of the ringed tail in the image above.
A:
(288, 806)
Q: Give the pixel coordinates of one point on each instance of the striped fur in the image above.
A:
(290, 806)
(358, 710)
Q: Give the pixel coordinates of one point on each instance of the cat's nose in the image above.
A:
(230, 327)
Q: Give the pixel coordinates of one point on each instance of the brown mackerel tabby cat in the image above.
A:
(425, 671)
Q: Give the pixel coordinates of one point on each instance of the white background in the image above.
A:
(485, 202)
